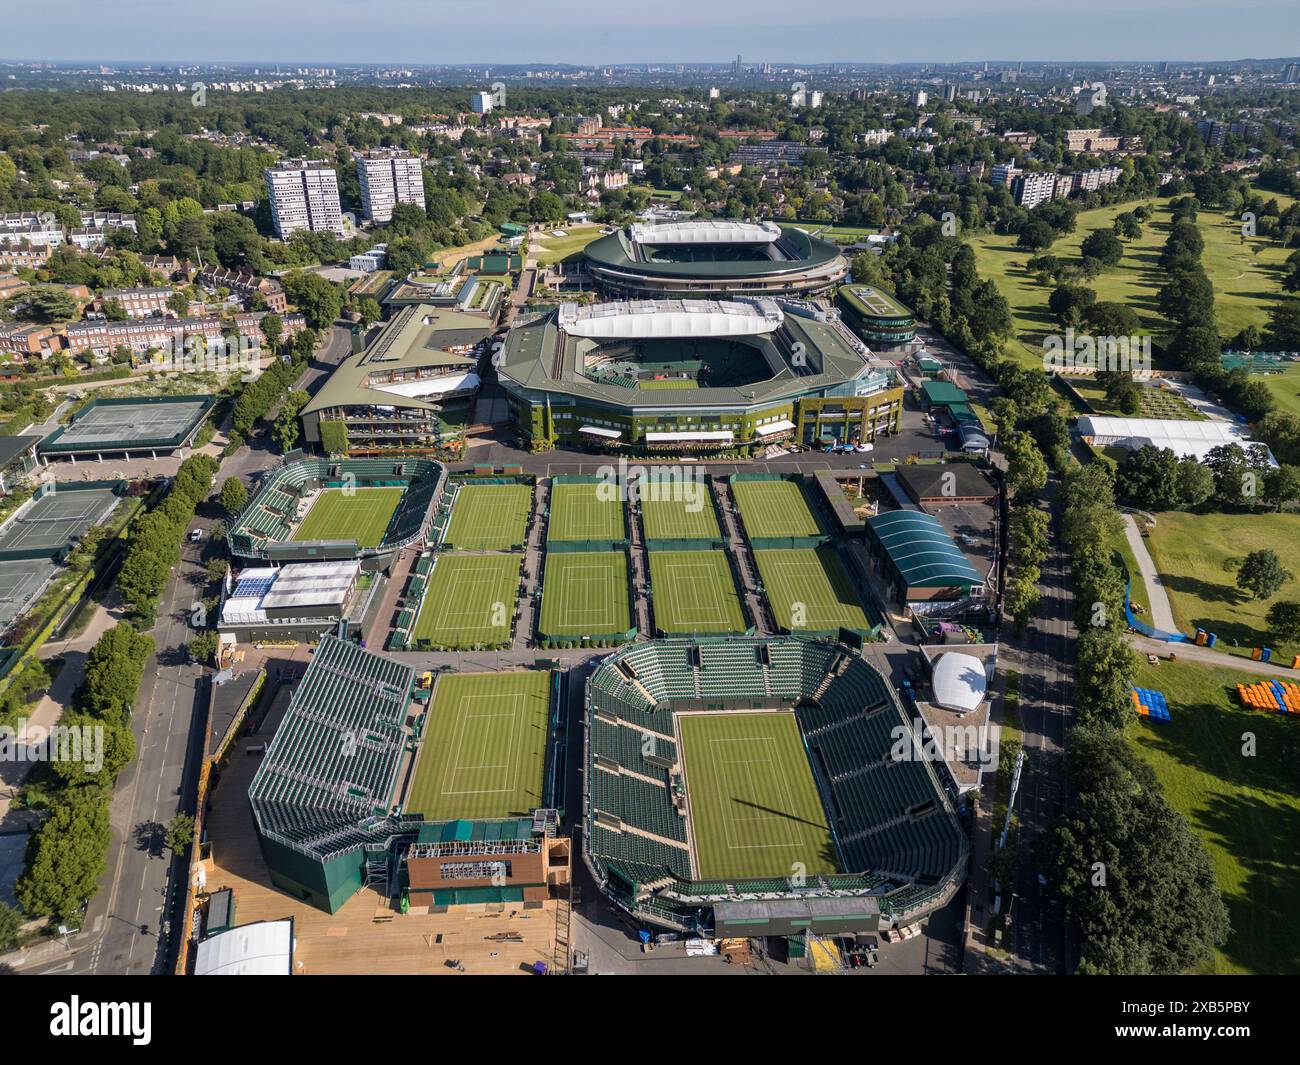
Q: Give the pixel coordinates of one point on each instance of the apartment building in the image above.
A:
(1090, 140)
(1004, 174)
(138, 302)
(304, 197)
(244, 283)
(1029, 190)
(389, 177)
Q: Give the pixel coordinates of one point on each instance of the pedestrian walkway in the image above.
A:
(1162, 614)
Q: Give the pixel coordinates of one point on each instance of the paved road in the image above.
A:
(1162, 615)
(137, 893)
(1038, 942)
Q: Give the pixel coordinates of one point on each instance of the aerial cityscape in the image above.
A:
(698, 504)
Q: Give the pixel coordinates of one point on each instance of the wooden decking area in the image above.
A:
(367, 935)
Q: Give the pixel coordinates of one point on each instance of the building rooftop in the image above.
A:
(873, 302)
(540, 353)
(712, 231)
(670, 319)
(419, 338)
(329, 775)
(924, 553)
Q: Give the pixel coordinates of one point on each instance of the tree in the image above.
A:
(1070, 303)
(1122, 390)
(1262, 574)
(1026, 470)
(234, 496)
(272, 329)
(180, 833)
(1195, 483)
(1036, 235)
(11, 923)
(1152, 905)
(368, 307)
(1284, 621)
(1113, 319)
(1187, 298)
(50, 304)
(203, 647)
(1282, 485)
(1148, 478)
(67, 855)
(318, 298)
(1283, 332)
(1104, 246)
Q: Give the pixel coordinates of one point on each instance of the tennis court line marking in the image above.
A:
(734, 822)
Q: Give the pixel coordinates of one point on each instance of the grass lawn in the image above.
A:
(586, 511)
(808, 589)
(674, 384)
(755, 811)
(470, 601)
(1246, 274)
(694, 591)
(360, 514)
(678, 511)
(774, 508)
(1153, 402)
(1138, 593)
(1285, 388)
(484, 749)
(1245, 809)
(585, 593)
(489, 517)
(1191, 552)
(549, 249)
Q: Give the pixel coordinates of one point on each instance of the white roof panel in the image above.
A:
(261, 949)
(669, 319)
(1184, 438)
(707, 231)
(723, 435)
(959, 681)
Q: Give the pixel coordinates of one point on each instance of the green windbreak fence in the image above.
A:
(684, 545)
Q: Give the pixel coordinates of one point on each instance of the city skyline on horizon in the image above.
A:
(404, 32)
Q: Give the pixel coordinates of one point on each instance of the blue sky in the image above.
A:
(589, 31)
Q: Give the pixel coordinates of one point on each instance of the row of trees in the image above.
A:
(259, 396)
(153, 546)
(1128, 870)
(68, 852)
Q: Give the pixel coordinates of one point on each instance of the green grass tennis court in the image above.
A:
(694, 591)
(489, 517)
(360, 514)
(807, 588)
(470, 601)
(585, 593)
(484, 748)
(774, 508)
(678, 511)
(587, 511)
(667, 384)
(755, 810)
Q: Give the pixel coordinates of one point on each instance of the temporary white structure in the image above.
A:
(959, 682)
(1194, 439)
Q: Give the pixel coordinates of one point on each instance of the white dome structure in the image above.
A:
(959, 682)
